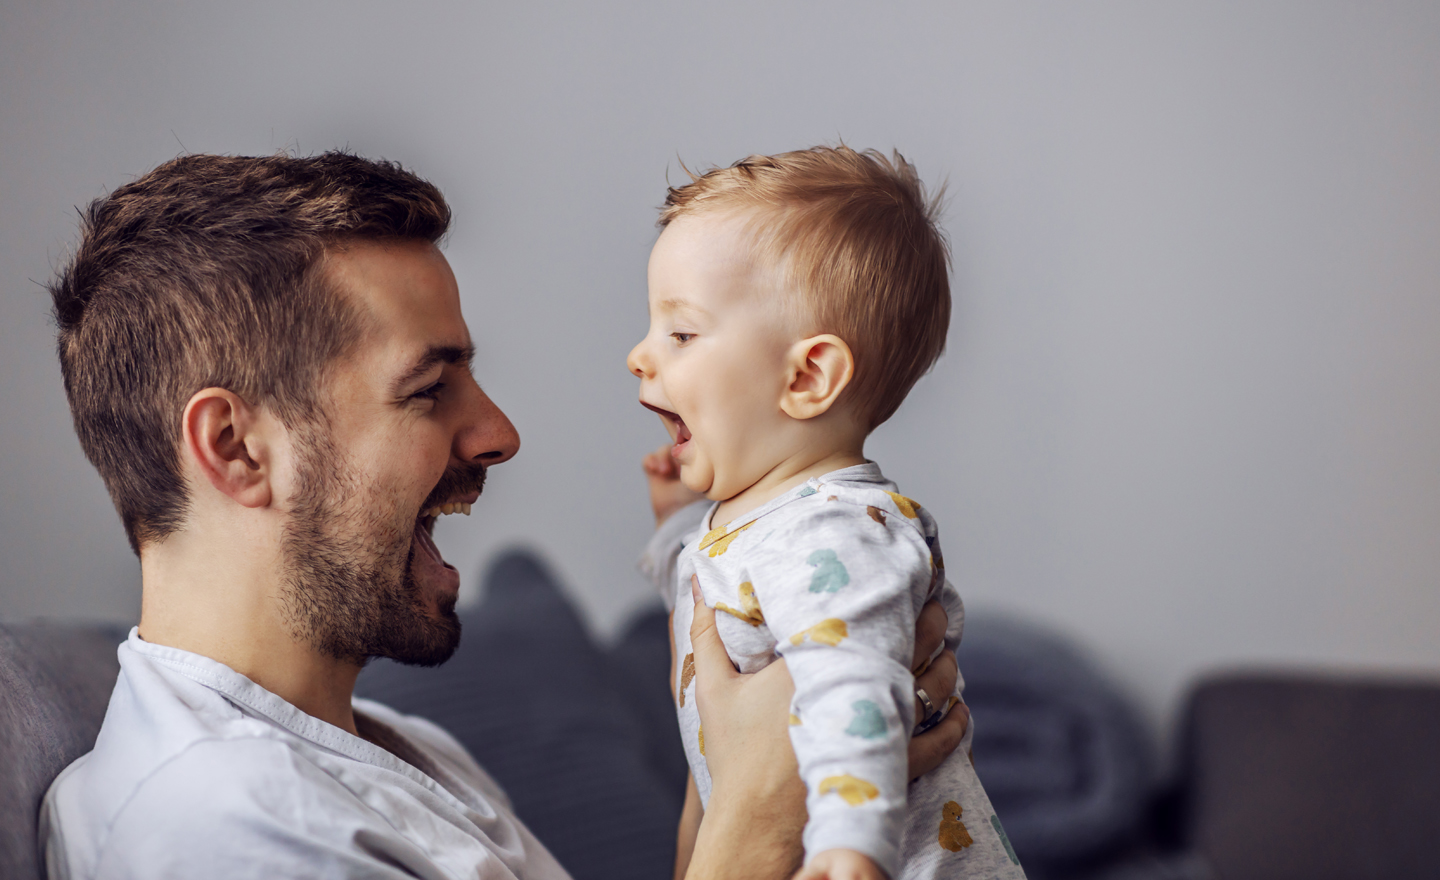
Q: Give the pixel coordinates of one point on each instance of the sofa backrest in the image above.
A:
(1313, 778)
(55, 682)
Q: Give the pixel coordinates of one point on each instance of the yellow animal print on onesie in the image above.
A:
(718, 540)
(907, 506)
(830, 631)
(749, 606)
(687, 675)
(853, 789)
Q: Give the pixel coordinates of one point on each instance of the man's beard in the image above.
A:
(349, 588)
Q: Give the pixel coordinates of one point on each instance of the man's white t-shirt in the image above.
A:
(200, 772)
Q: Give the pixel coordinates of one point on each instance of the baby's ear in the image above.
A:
(820, 368)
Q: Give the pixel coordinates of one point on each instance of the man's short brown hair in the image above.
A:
(205, 273)
(859, 241)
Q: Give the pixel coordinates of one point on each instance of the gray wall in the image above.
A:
(1189, 412)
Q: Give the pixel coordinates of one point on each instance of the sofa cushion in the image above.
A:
(1066, 761)
(55, 683)
(532, 697)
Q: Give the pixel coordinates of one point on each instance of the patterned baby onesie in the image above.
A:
(831, 576)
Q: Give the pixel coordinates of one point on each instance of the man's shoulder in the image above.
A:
(175, 754)
(251, 801)
(155, 715)
(180, 790)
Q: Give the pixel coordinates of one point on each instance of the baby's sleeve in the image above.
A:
(838, 585)
(662, 552)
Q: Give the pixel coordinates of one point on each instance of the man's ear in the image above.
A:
(819, 369)
(225, 439)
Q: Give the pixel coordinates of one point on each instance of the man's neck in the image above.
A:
(230, 610)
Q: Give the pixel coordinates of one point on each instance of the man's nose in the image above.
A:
(639, 361)
(490, 438)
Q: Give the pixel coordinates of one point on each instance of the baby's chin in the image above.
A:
(698, 480)
(720, 489)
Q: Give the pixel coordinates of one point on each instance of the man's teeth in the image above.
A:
(447, 509)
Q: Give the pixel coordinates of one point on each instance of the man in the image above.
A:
(266, 361)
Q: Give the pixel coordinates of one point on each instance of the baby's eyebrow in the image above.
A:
(680, 305)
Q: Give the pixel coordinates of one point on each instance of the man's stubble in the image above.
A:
(349, 588)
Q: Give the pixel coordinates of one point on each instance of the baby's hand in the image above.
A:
(667, 493)
(841, 864)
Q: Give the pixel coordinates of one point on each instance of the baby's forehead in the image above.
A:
(720, 261)
(716, 244)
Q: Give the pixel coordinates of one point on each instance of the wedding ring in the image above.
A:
(925, 703)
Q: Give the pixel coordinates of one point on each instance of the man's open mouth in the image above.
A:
(424, 541)
(679, 433)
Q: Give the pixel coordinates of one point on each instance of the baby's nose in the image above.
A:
(637, 362)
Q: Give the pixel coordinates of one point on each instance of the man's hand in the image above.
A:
(667, 493)
(841, 864)
(937, 676)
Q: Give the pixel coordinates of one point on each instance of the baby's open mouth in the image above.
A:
(674, 424)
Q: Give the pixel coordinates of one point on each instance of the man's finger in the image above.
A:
(938, 681)
(712, 663)
(930, 749)
(929, 634)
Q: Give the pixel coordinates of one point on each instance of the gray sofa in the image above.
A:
(1281, 777)
(55, 682)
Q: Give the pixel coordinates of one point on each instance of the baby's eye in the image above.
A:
(682, 338)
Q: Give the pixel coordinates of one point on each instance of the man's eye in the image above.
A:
(682, 338)
(430, 392)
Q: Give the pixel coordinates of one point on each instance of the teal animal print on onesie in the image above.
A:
(830, 574)
(1004, 838)
(868, 722)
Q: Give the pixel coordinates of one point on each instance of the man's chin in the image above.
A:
(416, 623)
(429, 634)
(427, 641)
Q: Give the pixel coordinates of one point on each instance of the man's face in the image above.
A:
(713, 364)
(406, 430)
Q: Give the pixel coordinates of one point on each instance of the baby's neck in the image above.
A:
(781, 479)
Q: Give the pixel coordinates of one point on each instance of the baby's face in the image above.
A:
(713, 364)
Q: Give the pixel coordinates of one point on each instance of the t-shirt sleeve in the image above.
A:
(838, 586)
(253, 809)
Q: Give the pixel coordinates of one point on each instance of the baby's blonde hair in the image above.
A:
(859, 241)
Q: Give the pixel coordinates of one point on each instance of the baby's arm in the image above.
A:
(678, 512)
(838, 586)
(667, 493)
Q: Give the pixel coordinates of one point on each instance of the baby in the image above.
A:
(794, 301)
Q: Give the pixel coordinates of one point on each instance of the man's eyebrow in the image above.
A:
(435, 354)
